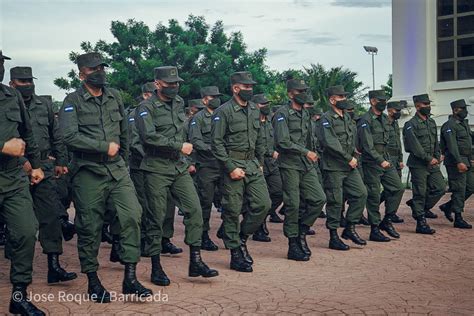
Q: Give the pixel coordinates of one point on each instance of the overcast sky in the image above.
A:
(41, 33)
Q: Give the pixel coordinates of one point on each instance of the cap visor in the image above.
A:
(247, 82)
(5, 57)
(95, 64)
(172, 79)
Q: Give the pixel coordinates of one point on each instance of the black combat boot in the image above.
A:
(422, 226)
(20, 304)
(446, 209)
(220, 232)
(68, 228)
(322, 215)
(430, 214)
(294, 250)
(274, 218)
(342, 221)
(207, 243)
(387, 226)
(197, 267)
(237, 261)
(335, 242)
(106, 235)
(114, 252)
(55, 272)
(364, 221)
(260, 235)
(377, 235)
(397, 219)
(158, 276)
(96, 291)
(167, 247)
(459, 222)
(244, 250)
(302, 240)
(350, 233)
(130, 284)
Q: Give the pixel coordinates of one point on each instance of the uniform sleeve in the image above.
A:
(412, 145)
(58, 148)
(260, 146)
(437, 148)
(135, 145)
(148, 134)
(218, 130)
(366, 141)
(449, 136)
(399, 142)
(25, 130)
(195, 135)
(74, 140)
(330, 142)
(282, 136)
(124, 135)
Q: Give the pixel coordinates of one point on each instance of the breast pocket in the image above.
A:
(10, 120)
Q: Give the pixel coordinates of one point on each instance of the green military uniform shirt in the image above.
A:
(136, 149)
(236, 137)
(421, 141)
(270, 164)
(200, 136)
(89, 124)
(373, 135)
(456, 142)
(394, 145)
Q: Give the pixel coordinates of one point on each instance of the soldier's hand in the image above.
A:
(60, 170)
(275, 155)
(353, 163)
(187, 149)
(237, 174)
(113, 149)
(312, 156)
(462, 167)
(441, 158)
(385, 164)
(434, 162)
(27, 167)
(402, 165)
(192, 169)
(36, 176)
(14, 147)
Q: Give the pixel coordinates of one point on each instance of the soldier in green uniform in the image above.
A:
(237, 142)
(16, 205)
(340, 174)
(45, 198)
(316, 113)
(456, 144)
(95, 129)
(420, 137)
(294, 141)
(394, 146)
(270, 168)
(160, 123)
(209, 171)
(373, 133)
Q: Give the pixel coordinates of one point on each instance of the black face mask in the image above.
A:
(26, 91)
(301, 98)
(380, 106)
(425, 111)
(462, 114)
(351, 114)
(170, 92)
(96, 79)
(214, 103)
(341, 105)
(2, 72)
(396, 115)
(246, 95)
(265, 110)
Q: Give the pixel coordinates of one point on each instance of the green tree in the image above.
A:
(388, 88)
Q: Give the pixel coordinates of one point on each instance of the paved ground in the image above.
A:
(414, 275)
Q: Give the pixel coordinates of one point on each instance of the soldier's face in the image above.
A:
(240, 86)
(85, 71)
(21, 82)
(146, 95)
(334, 98)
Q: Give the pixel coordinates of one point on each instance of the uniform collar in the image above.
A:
(237, 106)
(333, 114)
(86, 95)
(206, 113)
(4, 91)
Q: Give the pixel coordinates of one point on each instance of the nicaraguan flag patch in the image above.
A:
(280, 119)
(69, 108)
(145, 113)
(131, 119)
(217, 118)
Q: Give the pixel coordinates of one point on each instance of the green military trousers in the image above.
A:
(208, 179)
(428, 188)
(168, 222)
(275, 189)
(461, 186)
(91, 193)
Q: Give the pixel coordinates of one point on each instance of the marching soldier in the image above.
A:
(95, 129)
(237, 142)
(456, 144)
(420, 137)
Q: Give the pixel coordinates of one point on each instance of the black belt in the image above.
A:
(242, 155)
(91, 156)
(154, 152)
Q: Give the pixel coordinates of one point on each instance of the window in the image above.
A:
(455, 40)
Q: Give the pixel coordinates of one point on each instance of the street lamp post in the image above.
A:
(372, 51)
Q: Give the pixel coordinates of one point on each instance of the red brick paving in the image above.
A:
(414, 275)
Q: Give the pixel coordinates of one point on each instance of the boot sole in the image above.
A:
(58, 280)
(161, 283)
(355, 242)
(242, 270)
(299, 259)
(197, 274)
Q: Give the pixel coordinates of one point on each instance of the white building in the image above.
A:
(433, 52)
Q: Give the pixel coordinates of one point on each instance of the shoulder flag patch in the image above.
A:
(217, 118)
(69, 108)
(144, 113)
(326, 124)
(364, 125)
(193, 123)
(281, 118)
(448, 130)
(409, 127)
(131, 119)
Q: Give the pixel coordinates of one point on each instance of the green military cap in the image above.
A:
(421, 98)
(21, 73)
(403, 103)
(210, 91)
(377, 94)
(461, 103)
(243, 77)
(167, 74)
(260, 99)
(275, 108)
(3, 57)
(148, 87)
(48, 98)
(90, 60)
(397, 105)
(196, 103)
(318, 111)
(309, 99)
(296, 84)
(336, 90)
